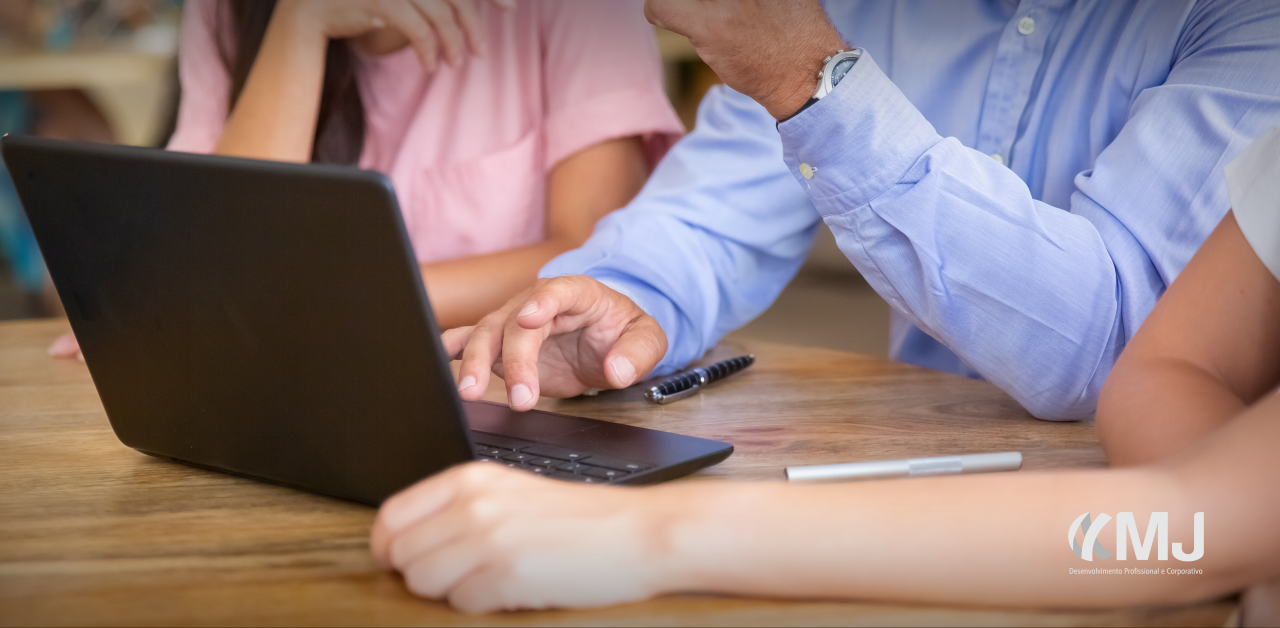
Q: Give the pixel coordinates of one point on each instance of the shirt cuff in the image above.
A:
(856, 142)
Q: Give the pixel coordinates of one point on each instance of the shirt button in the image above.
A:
(998, 157)
(806, 171)
(1026, 26)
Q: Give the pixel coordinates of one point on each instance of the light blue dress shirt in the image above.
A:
(1020, 181)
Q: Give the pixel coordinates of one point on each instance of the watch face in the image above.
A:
(841, 68)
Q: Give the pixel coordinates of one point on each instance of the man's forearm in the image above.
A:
(1023, 292)
(715, 235)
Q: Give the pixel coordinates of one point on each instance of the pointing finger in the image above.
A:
(455, 340)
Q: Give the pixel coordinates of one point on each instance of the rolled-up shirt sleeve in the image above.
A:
(714, 236)
(1038, 299)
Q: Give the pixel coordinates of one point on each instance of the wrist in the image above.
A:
(799, 76)
(699, 545)
(294, 25)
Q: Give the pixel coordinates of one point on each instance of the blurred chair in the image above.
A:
(17, 244)
(84, 70)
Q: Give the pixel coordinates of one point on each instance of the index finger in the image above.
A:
(469, 20)
(573, 295)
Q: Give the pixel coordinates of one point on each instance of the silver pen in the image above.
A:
(689, 382)
(911, 467)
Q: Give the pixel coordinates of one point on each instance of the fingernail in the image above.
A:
(623, 370)
(520, 395)
(467, 382)
(529, 308)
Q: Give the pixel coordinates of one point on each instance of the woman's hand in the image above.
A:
(488, 538)
(430, 26)
(276, 114)
(561, 337)
(66, 346)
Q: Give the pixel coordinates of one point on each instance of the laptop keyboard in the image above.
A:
(555, 462)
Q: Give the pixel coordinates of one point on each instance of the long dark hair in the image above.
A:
(241, 25)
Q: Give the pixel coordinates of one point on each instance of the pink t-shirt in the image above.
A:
(468, 149)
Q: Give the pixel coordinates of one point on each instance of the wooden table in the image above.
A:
(92, 532)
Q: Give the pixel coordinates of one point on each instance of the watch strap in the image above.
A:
(806, 105)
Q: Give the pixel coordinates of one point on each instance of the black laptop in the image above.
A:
(268, 320)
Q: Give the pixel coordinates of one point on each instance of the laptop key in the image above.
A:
(594, 472)
(570, 467)
(572, 477)
(616, 464)
(490, 452)
(517, 457)
(542, 462)
(551, 451)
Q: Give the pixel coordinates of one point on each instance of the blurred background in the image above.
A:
(106, 71)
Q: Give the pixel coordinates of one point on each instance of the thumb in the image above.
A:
(635, 353)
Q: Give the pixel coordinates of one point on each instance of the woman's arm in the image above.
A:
(1000, 539)
(1210, 348)
(275, 115)
(488, 538)
(581, 189)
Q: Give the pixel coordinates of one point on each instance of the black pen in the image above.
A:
(689, 382)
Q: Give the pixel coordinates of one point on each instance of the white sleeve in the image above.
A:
(1253, 181)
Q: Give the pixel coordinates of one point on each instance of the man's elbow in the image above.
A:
(1057, 405)
(1056, 410)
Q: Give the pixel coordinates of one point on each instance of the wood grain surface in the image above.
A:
(94, 533)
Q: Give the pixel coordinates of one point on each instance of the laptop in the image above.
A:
(268, 320)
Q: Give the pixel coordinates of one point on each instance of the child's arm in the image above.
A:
(1209, 348)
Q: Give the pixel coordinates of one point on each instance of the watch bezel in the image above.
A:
(824, 83)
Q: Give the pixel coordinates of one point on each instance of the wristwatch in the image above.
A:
(833, 70)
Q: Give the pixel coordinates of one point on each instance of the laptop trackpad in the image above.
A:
(496, 418)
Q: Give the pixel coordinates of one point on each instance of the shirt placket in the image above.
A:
(1018, 56)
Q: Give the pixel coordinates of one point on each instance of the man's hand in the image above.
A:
(770, 50)
(562, 337)
(488, 538)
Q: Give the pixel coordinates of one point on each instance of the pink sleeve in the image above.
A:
(206, 85)
(603, 78)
